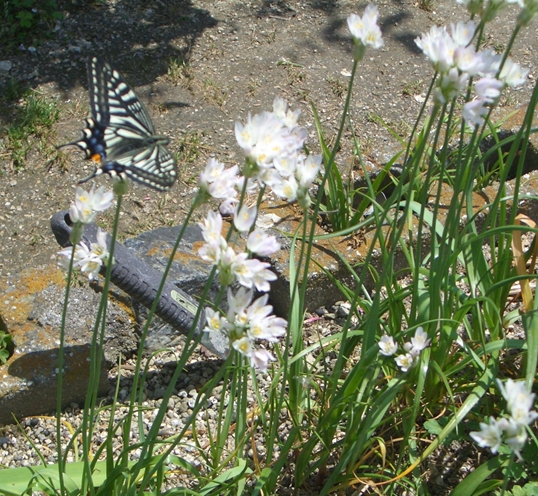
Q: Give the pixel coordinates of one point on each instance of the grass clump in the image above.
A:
(33, 123)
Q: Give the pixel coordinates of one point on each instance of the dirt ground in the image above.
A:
(199, 67)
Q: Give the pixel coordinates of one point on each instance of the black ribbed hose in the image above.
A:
(141, 281)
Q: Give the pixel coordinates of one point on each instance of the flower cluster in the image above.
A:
(456, 60)
(511, 429)
(88, 204)
(232, 266)
(365, 31)
(247, 321)
(273, 144)
(216, 181)
(412, 349)
(89, 259)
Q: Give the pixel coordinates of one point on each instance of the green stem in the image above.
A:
(61, 351)
(96, 358)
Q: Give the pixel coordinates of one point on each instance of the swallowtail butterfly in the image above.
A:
(119, 136)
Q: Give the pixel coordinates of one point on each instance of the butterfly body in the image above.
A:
(119, 137)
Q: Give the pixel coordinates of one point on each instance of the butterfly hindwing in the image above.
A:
(120, 136)
(159, 167)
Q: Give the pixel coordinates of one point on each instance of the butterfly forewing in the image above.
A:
(98, 93)
(120, 134)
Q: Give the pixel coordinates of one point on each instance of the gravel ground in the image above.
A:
(16, 451)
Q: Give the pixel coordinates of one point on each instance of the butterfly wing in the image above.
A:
(159, 170)
(115, 106)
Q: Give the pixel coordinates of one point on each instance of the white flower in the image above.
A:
(238, 303)
(270, 176)
(307, 170)
(88, 203)
(365, 29)
(65, 257)
(261, 243)
(228, 257)
(246, 324)
(262, 325)
(387, 346)
(215, 321)
(210, 253)
(88, 263)
(511, 429)
(286, 188)
(439, 47)
(244, 269)
(468, 61)
(100, 199)
(225, 187)
(285, 166)
(299, 135)
(519, 401)
(418, 342)
(259, 309)
(81, 213)
(245, 217)
(262, 278)
(212, 230)
(513, 74)
(515, 435)
(215, 243)
(100, 248)
(91, 267)
(218, 182)
(474, 112)
(243, 345)
(89, 259)
(450, 85)
(489, 435)
(260, 358)
(289, 118)
(269, 328)
(489, 89)
(213, 172)
(486, 63)
(227, 207)
(265, 138)
(462, 33)
(238, 267)
(356, 26)
(405, 362)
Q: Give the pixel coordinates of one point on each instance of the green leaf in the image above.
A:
(15, 481)
(434, 427)
(472, 484)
